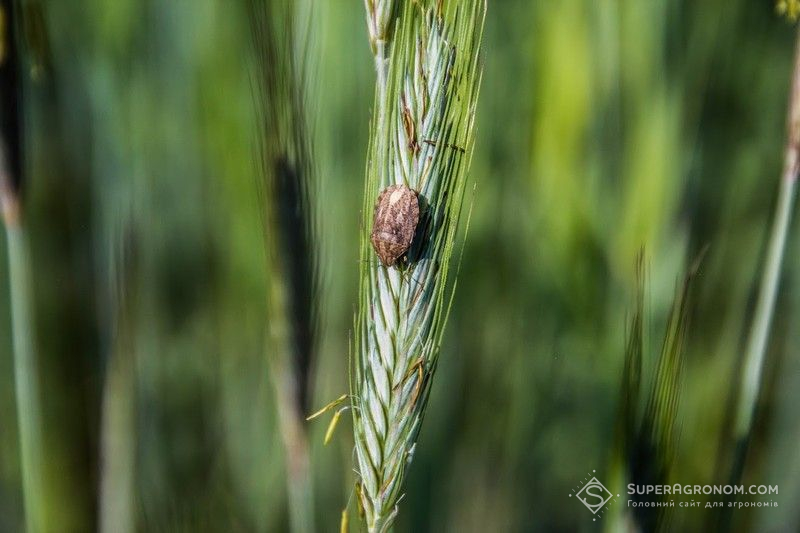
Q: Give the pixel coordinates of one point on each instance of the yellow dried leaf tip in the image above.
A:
(332, 426)
(789, 8)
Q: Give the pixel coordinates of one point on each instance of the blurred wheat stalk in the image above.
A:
(428, 75)
(285, 171)
(755, 350)
(26, 372)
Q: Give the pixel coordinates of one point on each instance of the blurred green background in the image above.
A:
(604, 126)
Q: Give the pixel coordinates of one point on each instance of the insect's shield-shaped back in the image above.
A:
(394, 223)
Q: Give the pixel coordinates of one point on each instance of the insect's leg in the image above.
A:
(448, 145)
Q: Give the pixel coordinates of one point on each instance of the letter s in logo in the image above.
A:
(594, 495)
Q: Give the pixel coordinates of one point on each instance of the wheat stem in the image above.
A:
(118, 441)
(26, 379)
(762, 318)
(26, 371)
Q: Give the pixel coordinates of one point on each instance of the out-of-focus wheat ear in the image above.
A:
(634, 351)
(26, 371)
(421, 136)
(286, 188)
(646, 440)
(627, 419)
(652, 451)
(789, 8)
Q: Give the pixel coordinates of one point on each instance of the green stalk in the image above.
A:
(118, 446)
(26, 377)
(118, 423)
(755, 350)
(757, 341)
(26, 372)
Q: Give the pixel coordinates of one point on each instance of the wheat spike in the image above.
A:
(421, 137)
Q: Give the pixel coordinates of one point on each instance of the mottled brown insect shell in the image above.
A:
(396, 218)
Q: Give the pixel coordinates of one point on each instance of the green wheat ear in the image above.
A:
(287, 186)
(428, 74)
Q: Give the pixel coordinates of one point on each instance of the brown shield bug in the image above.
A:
(396, 218)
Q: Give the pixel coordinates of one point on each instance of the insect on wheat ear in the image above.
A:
(394, 223)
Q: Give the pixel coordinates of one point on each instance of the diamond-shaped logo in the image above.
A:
(594, 495)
